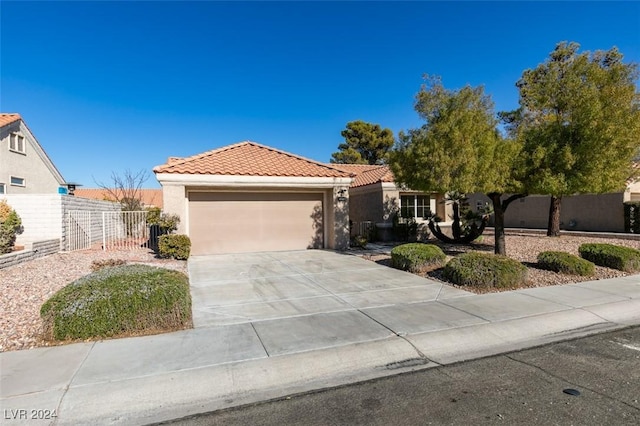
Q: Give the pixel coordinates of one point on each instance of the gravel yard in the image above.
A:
(525, 248)
(27, 286)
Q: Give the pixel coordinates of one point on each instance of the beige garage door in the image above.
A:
(236, 222)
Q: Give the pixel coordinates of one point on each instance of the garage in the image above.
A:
(236, 222)
(248, 197)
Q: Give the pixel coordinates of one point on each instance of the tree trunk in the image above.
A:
(500, 246)
(455, 227)
(553, 227)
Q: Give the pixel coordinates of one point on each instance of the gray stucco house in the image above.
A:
(25, 168)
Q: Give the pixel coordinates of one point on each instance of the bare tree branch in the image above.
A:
(126, 188)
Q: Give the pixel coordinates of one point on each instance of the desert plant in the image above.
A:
(467, 225)
(96, 265)
(612, 256)
(119, 301)
(359, 241)
(176, 246)
(565, 263)
(485, 270)
(10, 227)
(417, 257)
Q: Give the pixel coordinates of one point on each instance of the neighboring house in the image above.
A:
(587, 212)
(249, 197)
(375, 197)
(148, 197)
(25, 168)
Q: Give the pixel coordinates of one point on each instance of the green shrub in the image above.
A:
(485, 270)
(10, 227)
(417, 257)
(96, 265)
(359, 241)
(565, 263)
(122, 300)
(616, 257)
(176, 246)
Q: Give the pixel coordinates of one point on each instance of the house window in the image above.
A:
(2, 189)
(16, 143)
(17, 181)
(416, 206)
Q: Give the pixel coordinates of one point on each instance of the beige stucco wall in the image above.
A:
(31, 166)
(174, 201)
(590, 212)
(633, 192)
(379, 202)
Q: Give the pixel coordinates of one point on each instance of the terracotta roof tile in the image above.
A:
(250, 159)
(8, 118)
(149, 197)
(367, 174)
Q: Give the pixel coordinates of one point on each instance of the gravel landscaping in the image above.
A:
(524, 248)
(25, 287)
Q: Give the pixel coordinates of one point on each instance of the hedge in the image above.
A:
(417, 257)
(485, 270)
(612, 256)
(121, 300)
(565, 263)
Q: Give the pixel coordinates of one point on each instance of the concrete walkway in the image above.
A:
(269, 325)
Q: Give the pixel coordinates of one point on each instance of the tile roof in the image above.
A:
(250, 159)
(149, 197)
(7, 118)
(367, 174)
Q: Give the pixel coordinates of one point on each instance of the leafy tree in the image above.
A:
(126, 189)
(365, 143)
(579, 122)
(458, 149)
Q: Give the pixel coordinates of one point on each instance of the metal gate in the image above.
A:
(78, 232)
(125, 230)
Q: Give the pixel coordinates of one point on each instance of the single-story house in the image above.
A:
(586, 212)
(25, 167)
(375, 198)
(250, 197)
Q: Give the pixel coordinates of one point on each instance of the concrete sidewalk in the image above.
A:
(154, 378)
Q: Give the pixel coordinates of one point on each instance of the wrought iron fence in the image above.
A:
(124, 230)
(78, 233)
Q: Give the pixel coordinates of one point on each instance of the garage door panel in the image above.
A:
(243, 222)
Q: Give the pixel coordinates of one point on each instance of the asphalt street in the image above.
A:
(527, 387)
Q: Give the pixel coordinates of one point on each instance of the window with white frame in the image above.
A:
(17, 181)
(16, 143)
(2, 188)
(415, 206)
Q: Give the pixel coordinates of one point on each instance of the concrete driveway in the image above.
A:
(304, 300)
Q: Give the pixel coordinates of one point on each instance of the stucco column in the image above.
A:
(175, 202)
(341, 217)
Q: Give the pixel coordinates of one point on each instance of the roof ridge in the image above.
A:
(256, 144)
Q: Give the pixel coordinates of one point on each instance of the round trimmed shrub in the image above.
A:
(485, 270)
(617, 257)
(119, 301)
(417, 257)
(175, 246)
(565, 263)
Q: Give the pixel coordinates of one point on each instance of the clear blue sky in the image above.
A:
(107, 86)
